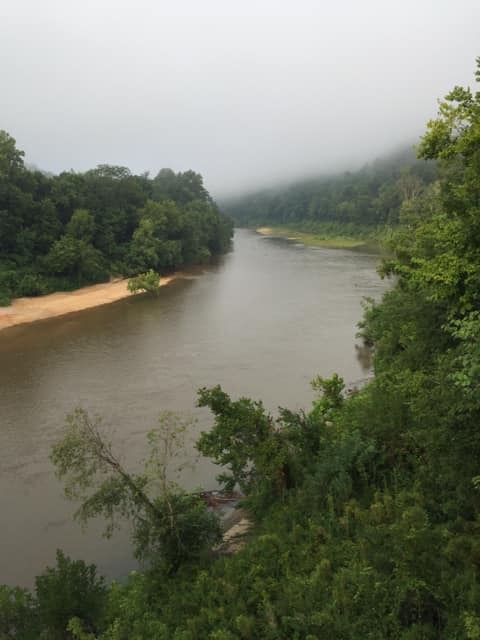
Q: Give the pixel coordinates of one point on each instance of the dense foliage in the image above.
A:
(65, 231)
(367, 506)
(347, 203)
(148, 282)
(69, 590)
(169, 527)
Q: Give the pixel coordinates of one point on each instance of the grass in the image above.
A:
(318, 239)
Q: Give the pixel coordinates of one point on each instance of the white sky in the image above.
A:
(245, 92)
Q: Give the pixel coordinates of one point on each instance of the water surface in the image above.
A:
(262, 323)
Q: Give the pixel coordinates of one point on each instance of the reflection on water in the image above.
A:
(263, 322)
(364, 355)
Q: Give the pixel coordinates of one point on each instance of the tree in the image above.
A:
(180, 187)
(453, 139)
(76, 259)
(246, 443)
(144, 251)
(71, 589)
(169, 526)
(148, 282)
(62, 232)
(11, 159)
(426, 330)
(149, 249)
(18, 617)
(46, 227)
(81, 225)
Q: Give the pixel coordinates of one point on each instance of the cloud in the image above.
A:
(245, 93)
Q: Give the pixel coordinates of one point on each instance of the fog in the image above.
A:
(245, 93)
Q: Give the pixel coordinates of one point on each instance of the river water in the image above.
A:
(262, 323)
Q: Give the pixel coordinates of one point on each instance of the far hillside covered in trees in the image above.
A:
(62, 232)
(369, 197)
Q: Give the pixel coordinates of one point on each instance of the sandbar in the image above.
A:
(26, 310)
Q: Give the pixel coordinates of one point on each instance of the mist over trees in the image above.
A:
(65, 231)
(369, 197)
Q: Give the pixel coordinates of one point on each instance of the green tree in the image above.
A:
(62, 232)
(71, 589)
(148, 282)
(180, 187)
(169, 526)
(76, 259)
(18, 615)
(11, 158)
(245, 441)
(46, 228)
(145, 248)
(81, 226)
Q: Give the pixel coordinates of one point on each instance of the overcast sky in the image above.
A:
(245, 92)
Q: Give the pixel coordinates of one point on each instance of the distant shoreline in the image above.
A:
(313, 239)
(54, 305)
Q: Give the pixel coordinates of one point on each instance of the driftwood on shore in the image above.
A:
(217, 498)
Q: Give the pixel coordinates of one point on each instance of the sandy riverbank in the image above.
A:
(25, 310)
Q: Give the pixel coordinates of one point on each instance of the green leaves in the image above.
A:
(148, 282)
(18, 619)
(357, 204)
(169, 526)
(74, 229)
(67, 590)
(11, 159)
(243, 440)
(70, 589)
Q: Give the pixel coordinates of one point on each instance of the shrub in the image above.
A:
(71, 589)
(32, 285)
(149, 282)
(17, 614)
(5, 299)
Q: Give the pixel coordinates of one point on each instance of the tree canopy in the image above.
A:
(65, 231)
(369, 197)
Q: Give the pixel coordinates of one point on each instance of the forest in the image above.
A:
(65, 231)
(353, 202)
(366, 505)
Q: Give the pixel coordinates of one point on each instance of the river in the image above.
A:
(262, 323)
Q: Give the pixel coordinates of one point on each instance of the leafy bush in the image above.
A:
(148, 282)
(18, 617)
(32, 285)
(70, 589)
(181, 532)
(8, 286)
(5, 299)
(79, 229)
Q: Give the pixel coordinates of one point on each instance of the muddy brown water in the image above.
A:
(262, 323)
